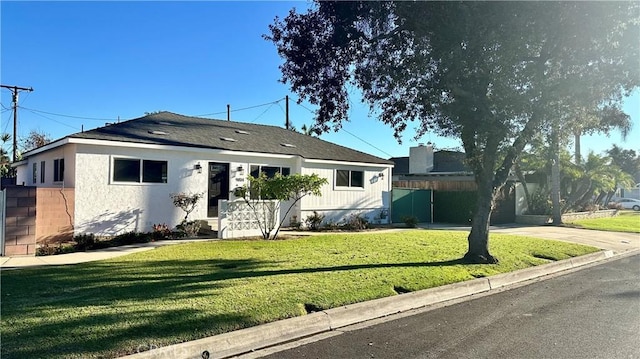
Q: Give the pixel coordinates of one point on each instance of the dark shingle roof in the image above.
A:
(443, 161)
(166, 128)
(449, 161)
(400, 165)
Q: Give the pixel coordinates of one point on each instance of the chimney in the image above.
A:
(421, 159)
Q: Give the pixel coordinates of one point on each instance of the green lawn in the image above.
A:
(625, 221)
(193, 290)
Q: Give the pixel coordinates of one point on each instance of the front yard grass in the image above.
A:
(625, 221)
(193, 290)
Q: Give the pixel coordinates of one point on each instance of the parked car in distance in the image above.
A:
(629, 203)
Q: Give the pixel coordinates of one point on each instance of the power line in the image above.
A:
(69, 116)
(345, 130)
(263, 112)
(385, 152)
(242, 109)
(50, 119)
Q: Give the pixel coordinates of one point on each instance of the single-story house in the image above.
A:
(121, 175)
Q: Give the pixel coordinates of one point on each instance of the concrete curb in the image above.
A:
(250, 339)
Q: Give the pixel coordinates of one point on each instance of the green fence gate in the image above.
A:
(407, 202)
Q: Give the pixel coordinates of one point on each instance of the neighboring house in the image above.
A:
(443, 177)
(122, 174)
(425, 168)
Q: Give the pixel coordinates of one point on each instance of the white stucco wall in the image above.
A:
(107, 208)
(25, 172)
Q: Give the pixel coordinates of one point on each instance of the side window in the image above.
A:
(35, 173)
(154, 171)
(126, 170)
(42, 167)
(58, 170)
(347, 178)
(139, 171)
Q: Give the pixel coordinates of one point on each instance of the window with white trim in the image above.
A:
(348, 178)
(269, 171)
(139, 171)
(35, 173)
(58, 170)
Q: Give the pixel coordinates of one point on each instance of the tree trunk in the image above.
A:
(479, 236)
(556, 210)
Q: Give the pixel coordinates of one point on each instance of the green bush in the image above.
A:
(539, 203)
(410, 221)
(130, 238)
(85, 241)
(313, 221)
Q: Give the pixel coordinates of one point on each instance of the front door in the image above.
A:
(218, 186)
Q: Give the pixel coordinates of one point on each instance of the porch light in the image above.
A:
(198, 167)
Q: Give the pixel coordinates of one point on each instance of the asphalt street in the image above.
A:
(590, 313)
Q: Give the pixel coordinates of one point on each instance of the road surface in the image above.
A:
(590, 313)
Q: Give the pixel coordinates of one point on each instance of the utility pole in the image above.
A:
(286, 120)
(14, 90)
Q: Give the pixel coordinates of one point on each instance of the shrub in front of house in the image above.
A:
(188, 228)
(313, 221)
(161, 231)
(355, 222)
(130, 238)
(410, 221)
(85, 241)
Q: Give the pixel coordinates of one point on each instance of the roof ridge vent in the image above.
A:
(242, 132)
(228, 139)
(154, 132)
(287, 145)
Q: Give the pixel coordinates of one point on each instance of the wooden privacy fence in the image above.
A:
(437, 185)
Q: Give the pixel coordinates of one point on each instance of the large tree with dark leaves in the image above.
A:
(485, 72)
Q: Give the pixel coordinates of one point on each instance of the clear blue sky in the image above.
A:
(108, 60)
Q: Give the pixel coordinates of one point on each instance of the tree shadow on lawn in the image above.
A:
(113, 284)
(101, 283)
(101, 333)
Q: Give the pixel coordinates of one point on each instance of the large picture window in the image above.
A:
(136, 170)
(347, 178)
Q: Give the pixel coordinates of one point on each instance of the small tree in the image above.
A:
(5, 160)
(187, 202)
(34, 140)
(264, 195)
